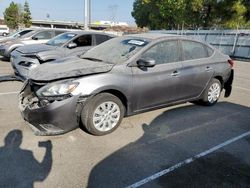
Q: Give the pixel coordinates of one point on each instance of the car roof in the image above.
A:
(153, 36)
(156, 36)
(81, 32)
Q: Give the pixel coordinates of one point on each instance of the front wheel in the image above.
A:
(102, 114)
(212, 93)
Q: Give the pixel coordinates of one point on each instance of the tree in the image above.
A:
(238, 15)
(26, 15)
(12, 16)
(192, 14)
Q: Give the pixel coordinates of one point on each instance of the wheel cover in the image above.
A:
(214, 92)
(106, 116)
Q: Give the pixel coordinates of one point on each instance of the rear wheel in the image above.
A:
(102, 114)
(212, 93)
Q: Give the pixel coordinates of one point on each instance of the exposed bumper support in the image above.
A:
(54, 118)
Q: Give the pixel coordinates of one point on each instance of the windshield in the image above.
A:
(60, 40)
(116, 50)
(29, 34)
(13, 34)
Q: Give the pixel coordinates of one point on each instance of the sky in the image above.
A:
(73, 10)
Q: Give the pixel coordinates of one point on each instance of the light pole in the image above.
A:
(87, 14)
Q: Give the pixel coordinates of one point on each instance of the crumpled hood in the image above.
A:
(68, 68)
(35, 48)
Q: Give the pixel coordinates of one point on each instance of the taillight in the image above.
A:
(231, 62)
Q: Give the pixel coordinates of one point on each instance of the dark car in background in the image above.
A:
(37, 36)
(71, 43)
(122, 77)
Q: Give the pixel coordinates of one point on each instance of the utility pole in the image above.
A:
(113, 10)
(87, 14)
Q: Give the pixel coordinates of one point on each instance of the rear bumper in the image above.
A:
(228, 84)
(54, 118)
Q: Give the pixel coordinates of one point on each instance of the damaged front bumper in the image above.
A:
(49, 117)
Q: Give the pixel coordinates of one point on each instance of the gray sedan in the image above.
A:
(72, 43)
(122, 77)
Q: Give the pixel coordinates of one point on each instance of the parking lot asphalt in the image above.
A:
(155, 149)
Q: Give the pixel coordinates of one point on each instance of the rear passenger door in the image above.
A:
(196, 68)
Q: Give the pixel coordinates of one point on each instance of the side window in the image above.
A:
(210, 51)
(44, 35)
(85, 40)
(164, 52)
(101, 38)
(193, 50)
(58, 32)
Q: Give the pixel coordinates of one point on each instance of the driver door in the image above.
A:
(158, 85)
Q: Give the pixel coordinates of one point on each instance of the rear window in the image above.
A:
(101, 38)
(59, 32)
(193, 50)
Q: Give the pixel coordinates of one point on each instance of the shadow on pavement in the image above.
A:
(218, 170)
(4, 59)
(154, 149)
(19, 168)
(7, 78)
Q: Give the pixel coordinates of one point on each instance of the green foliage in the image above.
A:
(174, 14)
(12, 15)
(26, 15)
(16, 15)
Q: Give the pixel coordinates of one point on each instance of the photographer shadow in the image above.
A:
(19, 168)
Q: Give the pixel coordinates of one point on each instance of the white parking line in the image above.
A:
(9, 93)
(187, 161)
(242, 88)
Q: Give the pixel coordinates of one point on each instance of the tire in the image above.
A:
(96, 117)
(4, 34)
(212, 93)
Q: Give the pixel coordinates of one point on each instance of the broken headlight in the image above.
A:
(57, 89)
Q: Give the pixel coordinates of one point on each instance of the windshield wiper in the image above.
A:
(92, 59)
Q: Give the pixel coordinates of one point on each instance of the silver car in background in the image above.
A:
(15, 35)
(71, 43)
(38, 36)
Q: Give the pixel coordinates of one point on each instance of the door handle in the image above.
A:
(208, 69)
(175, 73)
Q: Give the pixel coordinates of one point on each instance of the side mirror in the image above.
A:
(34, 38)
(146, 62)
(17, 35)
(72, 45)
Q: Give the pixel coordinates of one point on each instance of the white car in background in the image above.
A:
(4, 30)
